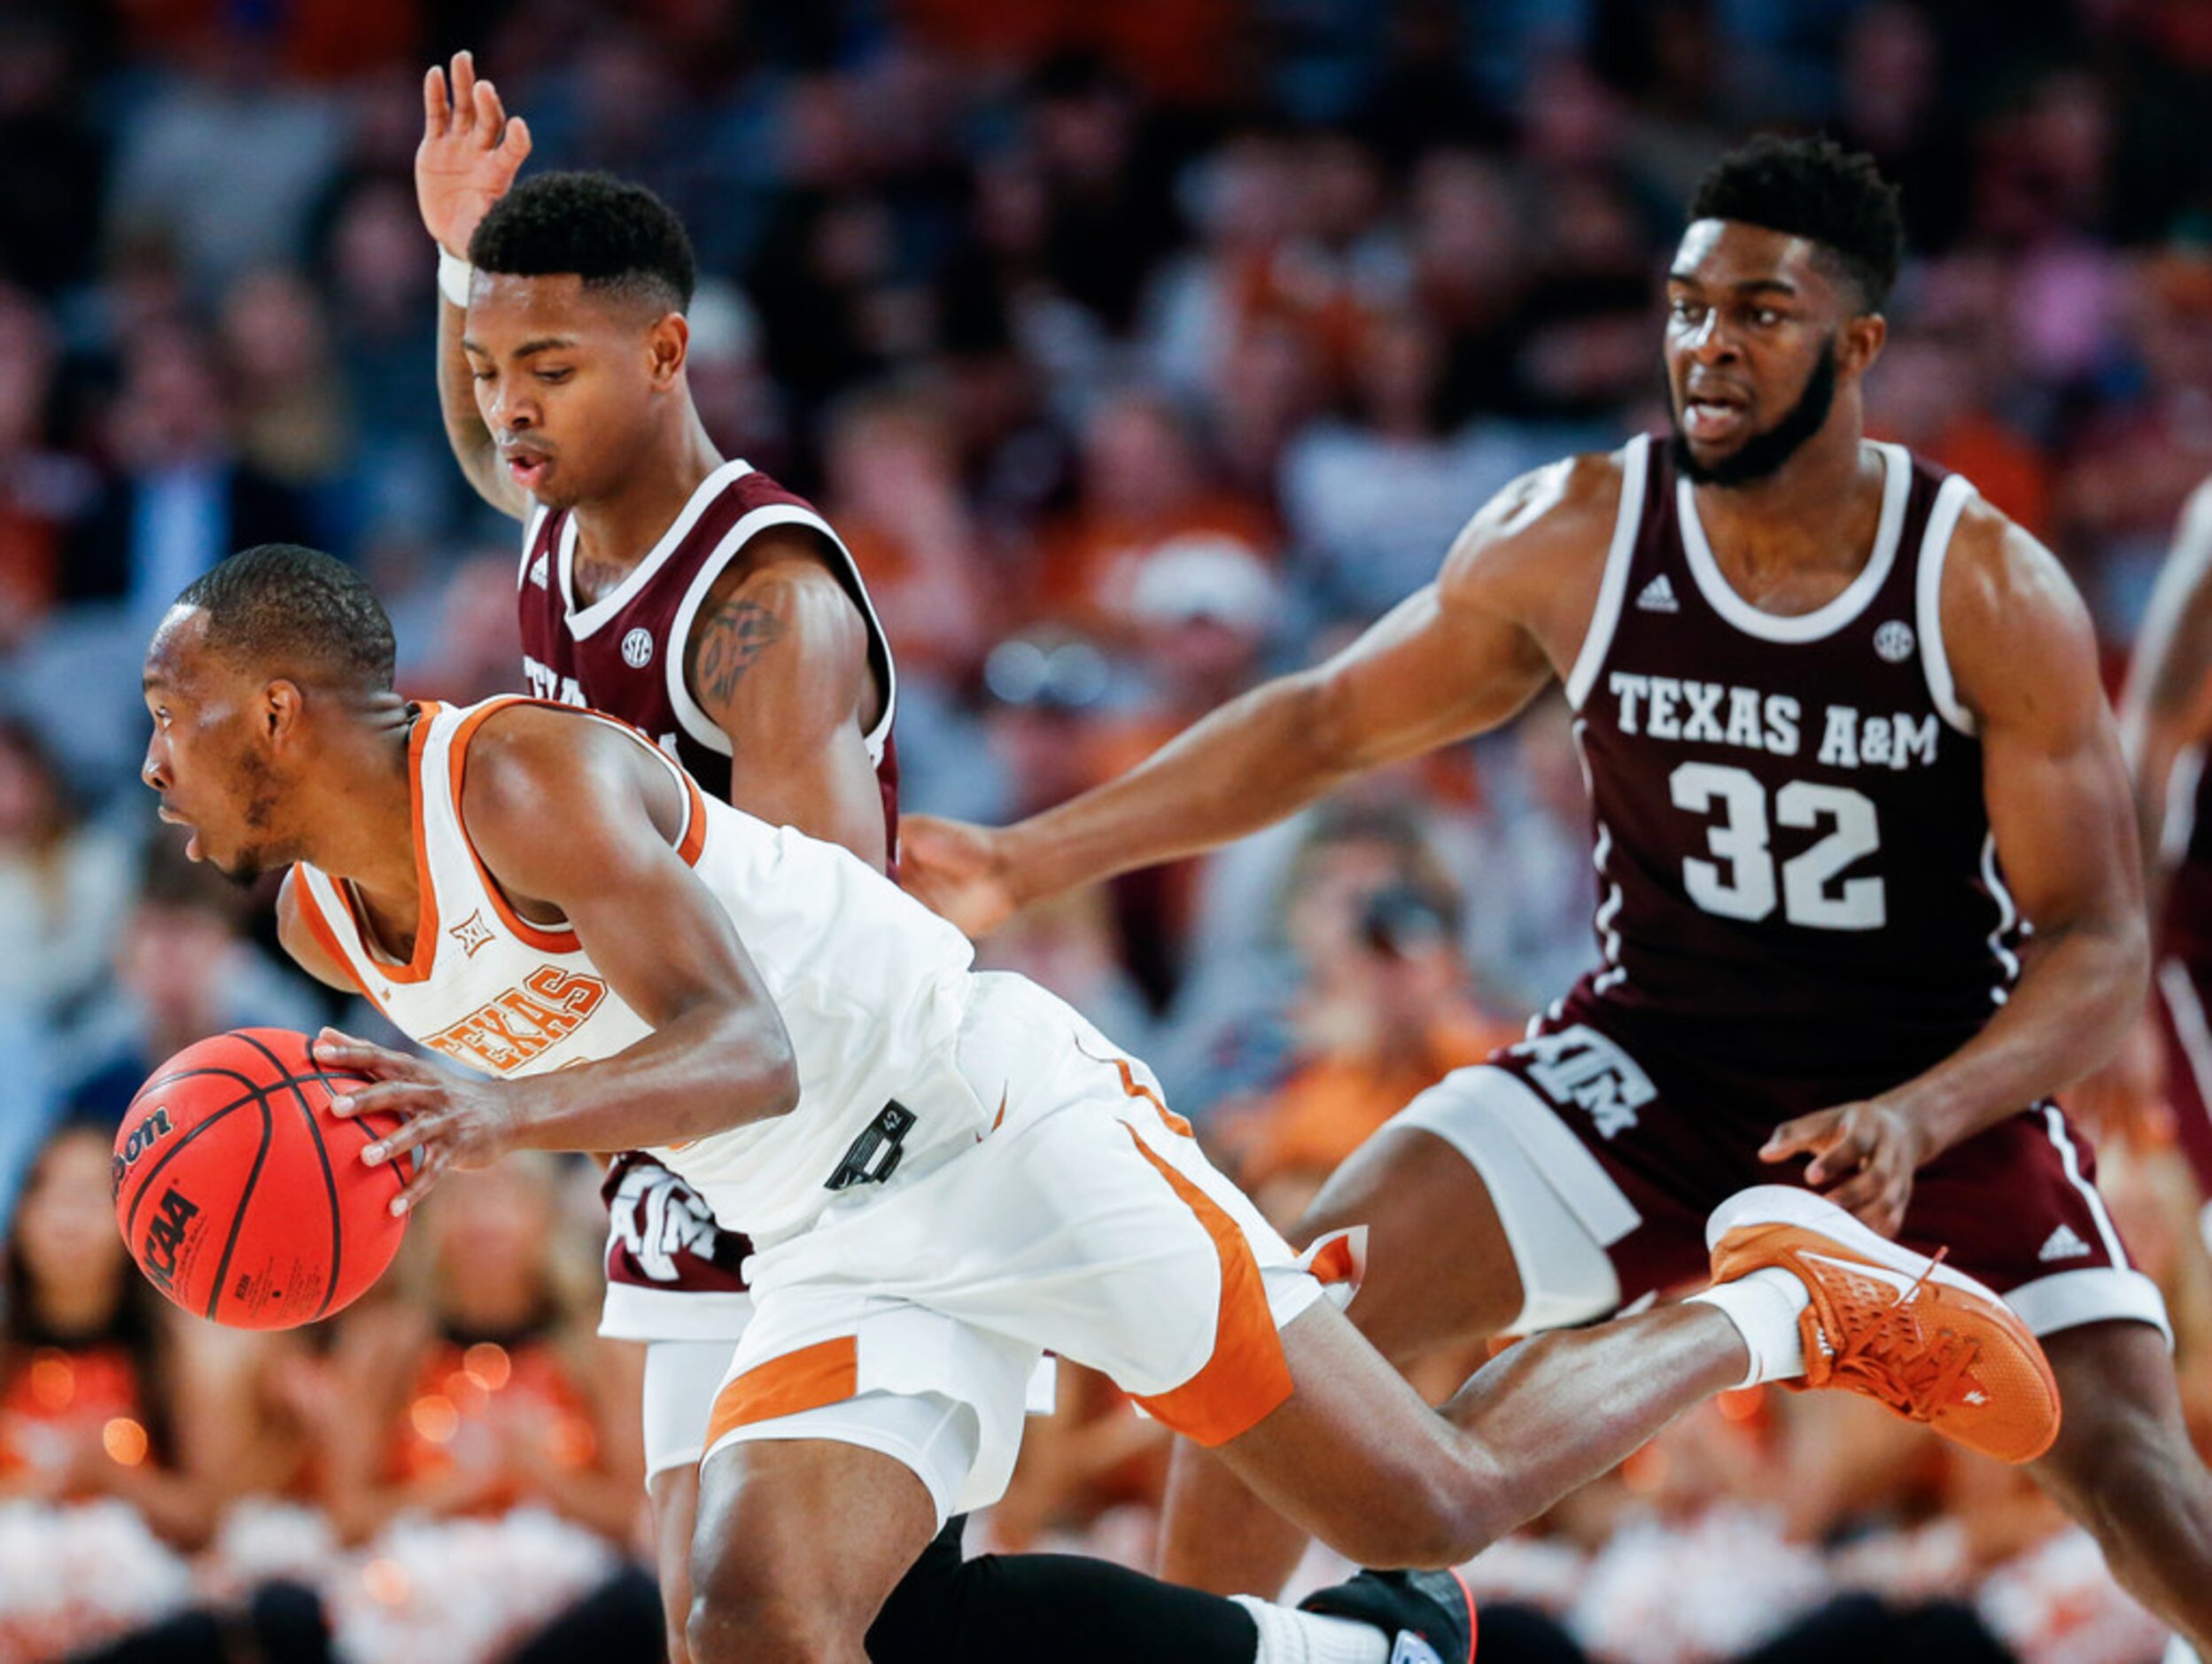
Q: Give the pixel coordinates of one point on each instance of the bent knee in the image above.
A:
(760, 1606)
(1437, 1525)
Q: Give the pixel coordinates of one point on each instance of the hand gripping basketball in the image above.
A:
(448, 1121)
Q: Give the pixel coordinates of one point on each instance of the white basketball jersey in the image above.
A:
(871, 985)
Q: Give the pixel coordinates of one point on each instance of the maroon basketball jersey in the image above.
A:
(624, 654)
(1796, 875)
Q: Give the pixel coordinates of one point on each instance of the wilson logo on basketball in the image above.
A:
(525, 1023)
(142, 1137)
(165, 1236)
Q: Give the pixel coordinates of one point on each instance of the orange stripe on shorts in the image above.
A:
(827, 1373)
(1248, 1376)
(1132, 1087)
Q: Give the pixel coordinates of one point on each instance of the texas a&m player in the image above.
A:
(1846, 740)
(689, 594)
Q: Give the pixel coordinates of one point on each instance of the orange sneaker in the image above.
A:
(1928, 1343)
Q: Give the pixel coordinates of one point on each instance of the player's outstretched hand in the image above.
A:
(1874, 1148)
(471, 153)
(958, 869)
(450, 1122)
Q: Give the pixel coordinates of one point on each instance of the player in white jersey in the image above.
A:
(947, 1172)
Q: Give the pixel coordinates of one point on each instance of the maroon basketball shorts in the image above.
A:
(1605, 1162)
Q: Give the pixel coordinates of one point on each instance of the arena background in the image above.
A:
(1137, 350)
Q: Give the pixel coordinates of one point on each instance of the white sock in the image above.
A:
(1764, 1306)
(1290, 1637)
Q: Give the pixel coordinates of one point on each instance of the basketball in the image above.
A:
(242, 1198)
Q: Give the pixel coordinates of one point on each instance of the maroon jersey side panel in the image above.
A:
(1797, 877)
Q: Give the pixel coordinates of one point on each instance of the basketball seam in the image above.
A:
(252, 1092)
(245, 1196)
(322, 1154)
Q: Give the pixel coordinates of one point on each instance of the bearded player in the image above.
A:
(1845, 741)
(689, 594)
(945, 1171)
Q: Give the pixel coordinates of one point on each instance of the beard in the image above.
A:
(1763, 453)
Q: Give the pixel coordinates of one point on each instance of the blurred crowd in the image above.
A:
(1138, 351)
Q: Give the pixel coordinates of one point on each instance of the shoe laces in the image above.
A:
(1885, 1353)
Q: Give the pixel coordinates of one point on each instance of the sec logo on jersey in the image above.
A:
(637, 649)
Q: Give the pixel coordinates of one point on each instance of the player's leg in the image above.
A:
(2124, 1467)
(796, 1546)
(673, 1493)
(814, 1548)
(680, 1380)
(2019, 1204)
(1355, 1458)
(1446, 1264)
(1439, 1270)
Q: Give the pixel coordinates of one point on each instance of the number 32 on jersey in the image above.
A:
(1741, 883)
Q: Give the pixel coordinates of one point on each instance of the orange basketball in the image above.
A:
(242, 1198)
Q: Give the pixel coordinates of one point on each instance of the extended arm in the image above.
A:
(2167, 706)
(778, 659)
(1456, 657)
(576, 819)
(471, 153)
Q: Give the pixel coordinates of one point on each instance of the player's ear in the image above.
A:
(667, 345)
(280, 708)
(1864, 338)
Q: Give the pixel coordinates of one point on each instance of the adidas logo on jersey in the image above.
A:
(1658, 596)
(538, 570)
(2062, 1244)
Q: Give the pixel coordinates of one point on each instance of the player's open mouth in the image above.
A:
(528, 469)
(191, 843)
(1706, 417)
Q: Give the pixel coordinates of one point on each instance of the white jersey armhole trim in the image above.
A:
(582, 622)
(695, 721)
(532, 526)
(1824, 620)
(1597, 640)
(1942, 520)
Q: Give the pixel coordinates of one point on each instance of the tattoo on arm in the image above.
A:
(739, 633)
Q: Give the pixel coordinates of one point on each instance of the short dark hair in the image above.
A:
(615, 235)
(297, 612)
(1815, 189)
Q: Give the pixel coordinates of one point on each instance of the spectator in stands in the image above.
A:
(66, 883)
(478, 1385)
(892, 488)
(90, 1394)
(180, 498)
(43, 489)
(183, 970)
(1145, 483)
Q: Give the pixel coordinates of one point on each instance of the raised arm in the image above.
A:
(778, 660)
(2168, 705)
(2024, 657)
(1459, 656)
(471, 153)
(575, 819)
